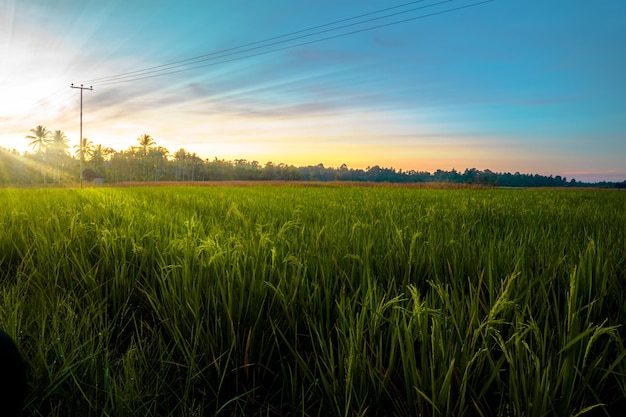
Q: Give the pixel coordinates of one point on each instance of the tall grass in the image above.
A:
(306, 301)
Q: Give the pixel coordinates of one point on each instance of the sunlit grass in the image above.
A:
(343, 301)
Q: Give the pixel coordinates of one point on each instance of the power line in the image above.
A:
(254, 43)
(153, 72)
(261, 46)
(173, 68)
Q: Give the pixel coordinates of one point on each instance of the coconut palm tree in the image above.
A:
(145, 142)
(99, 155)
(58, 142)
(83, 151)
(57, 150)
(40, 139)
(86, 149)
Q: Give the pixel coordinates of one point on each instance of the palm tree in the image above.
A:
(57, 149)
(83, 151)
(145, 142)
(86, 149)
(40, 138)
(99, 155)
(58, 142)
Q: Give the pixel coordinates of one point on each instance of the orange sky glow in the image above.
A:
(495, 86)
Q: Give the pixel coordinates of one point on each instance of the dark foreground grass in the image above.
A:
(294, 301)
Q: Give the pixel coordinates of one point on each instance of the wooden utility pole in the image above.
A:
(81, 130)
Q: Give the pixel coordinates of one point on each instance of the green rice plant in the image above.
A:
(316, 301)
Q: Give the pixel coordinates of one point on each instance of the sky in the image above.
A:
(529, 86)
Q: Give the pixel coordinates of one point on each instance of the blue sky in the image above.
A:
(510, 85)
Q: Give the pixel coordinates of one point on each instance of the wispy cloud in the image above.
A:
(549, 101)
(501, 87)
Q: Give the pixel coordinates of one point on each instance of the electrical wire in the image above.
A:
(254, 43)
(250, 49)
(174, 68)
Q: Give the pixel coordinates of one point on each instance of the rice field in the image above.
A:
(316, 301)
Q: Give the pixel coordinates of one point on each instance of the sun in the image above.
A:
(25, 107)
(34, 68)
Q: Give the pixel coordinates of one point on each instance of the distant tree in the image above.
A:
(131, 155)
(195, 161)
(58, 142)
(99, 156)
(16, 168)
(57, 152)
(119, 165)
(180, 159)
(145, 143)
(219, 169)
(85, 151)
(157, 159)
(269, 171)
(39, 139)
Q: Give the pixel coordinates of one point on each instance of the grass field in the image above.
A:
(316, 301)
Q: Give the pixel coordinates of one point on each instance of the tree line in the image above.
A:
(52, 161)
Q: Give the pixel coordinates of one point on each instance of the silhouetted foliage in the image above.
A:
(149, 162)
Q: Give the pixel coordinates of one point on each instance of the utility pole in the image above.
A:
(81, 130)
